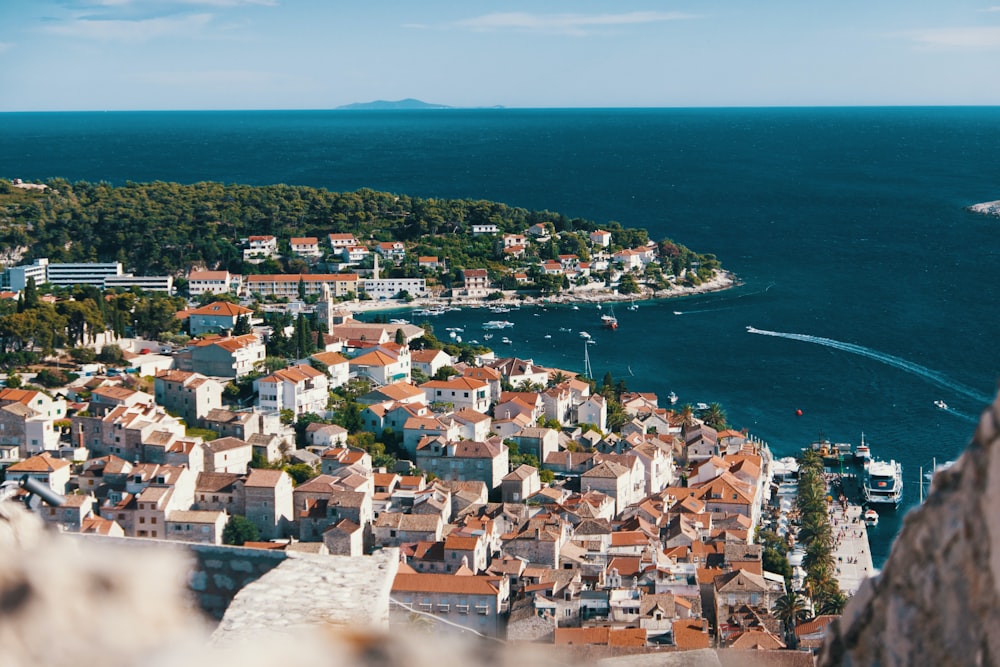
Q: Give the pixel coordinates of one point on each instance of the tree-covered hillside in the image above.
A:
(165, 228)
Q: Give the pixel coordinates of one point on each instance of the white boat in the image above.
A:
(884, 483)
(672, 397)
(584, 334)
(399, 321)
(633, 306)
(548, 335)
(497, 324)
(505, 340)
(458, 329)
(701, 406)
(941, 404)
(871, 517)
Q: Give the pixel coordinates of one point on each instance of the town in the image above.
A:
(526, 503)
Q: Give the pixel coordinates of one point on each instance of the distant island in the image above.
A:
(382, 105)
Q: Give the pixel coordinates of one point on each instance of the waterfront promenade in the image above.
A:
(852, 554)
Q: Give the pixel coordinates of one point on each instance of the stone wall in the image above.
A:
(215, 574)
(937, 600)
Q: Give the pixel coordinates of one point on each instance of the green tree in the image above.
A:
(242, 326)
(301, 472)
(239, 531)
(790, 608)
(715, 416)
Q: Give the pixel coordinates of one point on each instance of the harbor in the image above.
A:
(852, 551)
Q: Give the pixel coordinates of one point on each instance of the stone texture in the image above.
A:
(936, 600)
(310, 590)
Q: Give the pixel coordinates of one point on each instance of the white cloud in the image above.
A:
(120, 30)
(568, 24)
(974, 38)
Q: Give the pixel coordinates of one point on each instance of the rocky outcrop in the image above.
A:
(937, 601)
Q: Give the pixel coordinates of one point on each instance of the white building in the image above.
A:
(301, 389)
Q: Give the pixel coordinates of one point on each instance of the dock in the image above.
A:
(852, 553)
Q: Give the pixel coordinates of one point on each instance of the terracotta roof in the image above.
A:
(444, 583)
(373, 358)
(43, 462)
(265, 478)
(221, 309)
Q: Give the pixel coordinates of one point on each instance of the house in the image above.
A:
(301, 389)
(381, 367)
(229, 357)
(325, 501)
(69, 516)
(214, 282)
(242, 424)
(191, 396)
(520, 371)
(354, 254)
(472, 425)
(260, 248)
(537, 441)
(228, 455)
(393, 415)
(593, 410)
(476, 283)
(325, 435)
(465, 460)
(490, 376)
(416, 429)
(538, 231)
(305, 246)
(461, 392)
(739, 589)
(336, 366)
(394, 251)
(44, 468)
(340, 241)
(557, 404)
(429, 262)
(610, 478)
(395, 528)
(344, 538)
(218, 317)
(489, 228)
(220, 491)
(600, 237)
(341, 457)
(314, 284)
(429, 361)
(201, 526)
(476, 602)
(520, 483)
(269, 502)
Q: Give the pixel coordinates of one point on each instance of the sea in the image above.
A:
(871, 291)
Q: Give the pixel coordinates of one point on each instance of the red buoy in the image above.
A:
(798, 413)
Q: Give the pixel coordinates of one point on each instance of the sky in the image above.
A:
(64, 55)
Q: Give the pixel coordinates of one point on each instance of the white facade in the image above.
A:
(389, 288)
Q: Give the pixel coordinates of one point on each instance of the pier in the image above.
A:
(852, 554)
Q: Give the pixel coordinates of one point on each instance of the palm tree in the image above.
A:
(790, 608)
(686, 413)
(715, 416)
(833, 604)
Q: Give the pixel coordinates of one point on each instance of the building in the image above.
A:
(82, 273)
(476, 602)
(305, 246)
(462, 392)
(260, 248)
(301, 389)
(230, 357)
(341, 241)
(191, 396)
(269, 503)
(486, 461)
(45, 468)
(201, 526)
(287, 285)
(214, 282)
(228, 455)
(381, 367)
(477, 283)
(216, 318)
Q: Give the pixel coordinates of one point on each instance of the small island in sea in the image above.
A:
(383, 105)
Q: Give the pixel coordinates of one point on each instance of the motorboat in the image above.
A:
(884, 483)
(497, 324)
(505, 340)
(672, 397)
(941, 404)
(871, 517)
(584, 334)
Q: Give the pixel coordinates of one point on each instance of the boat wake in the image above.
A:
(960, 415)
(916, 369)
(729, 301)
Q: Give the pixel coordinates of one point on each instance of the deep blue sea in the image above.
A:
(846, 226)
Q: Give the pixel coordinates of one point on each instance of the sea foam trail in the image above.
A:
(888, 359)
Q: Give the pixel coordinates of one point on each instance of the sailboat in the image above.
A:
(608, 320)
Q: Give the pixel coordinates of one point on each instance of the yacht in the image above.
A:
(884, 483)
(497, 324)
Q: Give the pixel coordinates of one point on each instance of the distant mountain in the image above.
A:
(381, 105)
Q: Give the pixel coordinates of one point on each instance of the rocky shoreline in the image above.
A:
(722, 280)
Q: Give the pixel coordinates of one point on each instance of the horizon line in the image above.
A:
(446, 108)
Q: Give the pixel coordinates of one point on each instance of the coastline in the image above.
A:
(722, 280)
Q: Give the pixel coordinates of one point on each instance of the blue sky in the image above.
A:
(318, 54)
